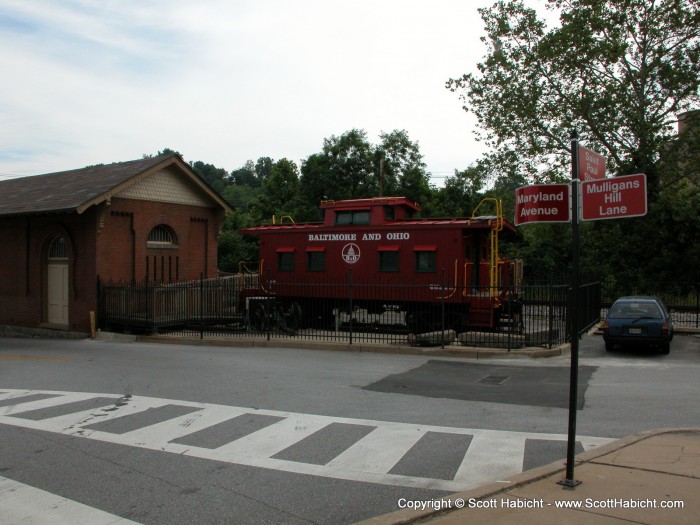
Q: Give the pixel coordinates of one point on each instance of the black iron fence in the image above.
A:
(240, 306)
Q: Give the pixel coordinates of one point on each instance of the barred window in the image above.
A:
(162, 237)
(58, 250)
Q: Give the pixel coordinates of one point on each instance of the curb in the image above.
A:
(39, 333)
(449, 351)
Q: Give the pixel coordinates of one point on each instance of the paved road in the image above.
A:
(158, 434)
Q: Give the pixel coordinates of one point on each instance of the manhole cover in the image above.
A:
(494, 380)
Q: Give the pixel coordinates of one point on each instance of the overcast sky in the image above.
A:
(226, 81)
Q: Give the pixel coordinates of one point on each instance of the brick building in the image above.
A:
(144, 219)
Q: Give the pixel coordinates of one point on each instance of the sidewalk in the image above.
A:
(650, 478)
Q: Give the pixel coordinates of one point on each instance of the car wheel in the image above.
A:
(665, 348)
(609, 346)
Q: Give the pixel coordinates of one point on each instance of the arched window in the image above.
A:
(162, 237)
(58, 250)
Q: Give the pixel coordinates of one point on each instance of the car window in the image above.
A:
(635, 310)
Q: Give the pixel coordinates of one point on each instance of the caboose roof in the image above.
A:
(477, 223)
(364, 203)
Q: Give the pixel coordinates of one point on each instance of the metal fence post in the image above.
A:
(98, 299)
(201, 305)
(550, 292)
(697, 303)
(442, 313)
(511, 322)
(350, 297)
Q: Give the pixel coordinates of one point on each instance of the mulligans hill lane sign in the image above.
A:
(542, 203)
(614, 198)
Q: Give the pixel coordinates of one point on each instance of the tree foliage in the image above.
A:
(344, 169)
(619, 71)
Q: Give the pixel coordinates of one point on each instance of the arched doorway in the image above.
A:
(57, 282)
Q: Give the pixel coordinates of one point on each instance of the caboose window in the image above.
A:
(425, 258)
(388, 258)
(343, 217)
(360, 217)
(316, 259)
(285, 261)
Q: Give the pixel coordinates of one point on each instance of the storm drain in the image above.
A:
(493, 380)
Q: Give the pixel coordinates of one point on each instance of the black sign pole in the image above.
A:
(573, 316)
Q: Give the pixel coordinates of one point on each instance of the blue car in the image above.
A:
(638, 321)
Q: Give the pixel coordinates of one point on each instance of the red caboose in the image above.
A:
(374, 254)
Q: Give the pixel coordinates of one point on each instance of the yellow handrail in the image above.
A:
(496, 223)
(455, 285)
(282, 218)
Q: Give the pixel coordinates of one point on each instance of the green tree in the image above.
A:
(280, 193)
(343, 170)
(162, 153)
(240, 197)
(263, 169)
(245, 176)
(619, 71)
(233, 247)
(252, 173)
(215, 177)
(461, 193)
(400, 168)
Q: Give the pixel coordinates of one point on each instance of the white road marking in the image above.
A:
(491, 455)
(20, 503)
(379, 450)
(494, 456)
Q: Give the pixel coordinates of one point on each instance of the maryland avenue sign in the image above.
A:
(542, 203)
(614, 198)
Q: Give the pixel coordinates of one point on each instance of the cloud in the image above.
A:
(224, 82)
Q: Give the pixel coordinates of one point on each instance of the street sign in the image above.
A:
(591, 165)
(542, 203)
(614, 198)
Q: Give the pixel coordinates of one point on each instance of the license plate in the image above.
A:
(635, 330)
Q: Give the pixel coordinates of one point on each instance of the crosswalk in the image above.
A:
(20, 503)
(390, 453)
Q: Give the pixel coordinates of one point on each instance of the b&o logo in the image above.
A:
(351, 253)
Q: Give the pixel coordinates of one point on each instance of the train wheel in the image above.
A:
(258, 317)
(455, 322)
(418, 321)
(290, 318)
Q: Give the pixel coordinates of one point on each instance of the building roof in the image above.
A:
(76, 190)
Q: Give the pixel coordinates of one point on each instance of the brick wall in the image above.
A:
(23, 272)
(106, 240)
(124, 252)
